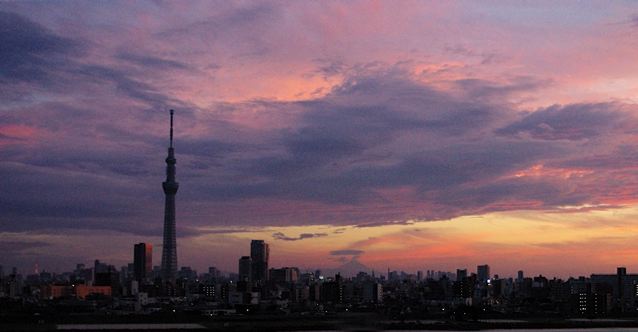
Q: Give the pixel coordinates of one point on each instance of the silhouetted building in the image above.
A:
(142, 261)
(99, 267)
(108, 276)
(372, 292)
(622, 286)
(170, 186)
(483, 272)
(245, 268)
(461, 274)
(186, 273)
(284, 275)
(332, 291)
(259, 253)
(214, 272)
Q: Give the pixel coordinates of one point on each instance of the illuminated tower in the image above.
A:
(169, 248)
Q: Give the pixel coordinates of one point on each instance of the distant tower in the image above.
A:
(169, 248)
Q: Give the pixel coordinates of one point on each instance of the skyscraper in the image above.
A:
(483, 272)
(245, 266)
(169, 247)
(142, 261)
(259, 252)
(461, 274)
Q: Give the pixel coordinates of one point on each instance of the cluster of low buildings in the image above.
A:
(256, 288)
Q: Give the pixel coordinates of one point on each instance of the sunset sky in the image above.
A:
(408, 135)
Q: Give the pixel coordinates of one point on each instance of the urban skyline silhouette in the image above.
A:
(461, 139)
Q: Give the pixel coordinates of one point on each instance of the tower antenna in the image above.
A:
(172, 111)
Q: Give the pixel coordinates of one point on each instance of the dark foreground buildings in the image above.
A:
(463, 295)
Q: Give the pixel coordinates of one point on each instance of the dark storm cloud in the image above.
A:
(32, 54)
(450, 166)
(29, 52)
(571, 122)
(428, 170)
(364, 113)
(346, 146)
(623, 156)
(46, 198)
(281, 236)
(506, 195)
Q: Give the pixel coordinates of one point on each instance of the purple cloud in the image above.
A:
(302, 236)
(572, 122)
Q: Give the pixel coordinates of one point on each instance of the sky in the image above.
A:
(408, 135)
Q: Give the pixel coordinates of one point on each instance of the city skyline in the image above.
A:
(426, 135)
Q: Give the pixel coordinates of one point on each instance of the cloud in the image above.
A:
(385, 223)
(30, 52)
(484, 89)
(151, 62)
(347, 252)
(383, 146)
(572, 122)
(19, 247)
(302, 236)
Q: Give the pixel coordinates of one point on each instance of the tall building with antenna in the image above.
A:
(169, 247)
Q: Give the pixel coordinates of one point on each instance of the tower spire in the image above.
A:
(172, 111)
(170, 186)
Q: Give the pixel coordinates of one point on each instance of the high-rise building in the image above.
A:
(99, 267)
(483, 272)
(170, 186)
(142, 261)
(520, 276)
(214, 272)
(284, 275)
(259, 253)
(461, 274)
(245, 267)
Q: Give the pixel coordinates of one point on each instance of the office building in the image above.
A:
(142, 261)
(245, 268)
(259, 253)
(483, 273)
